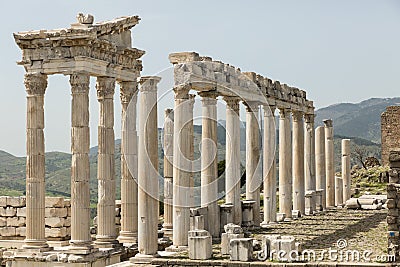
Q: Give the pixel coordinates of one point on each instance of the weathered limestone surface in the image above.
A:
(390, 131)
(329, 164)
(393, 198)
(232, 165)
(129, 188)
(269, 165)
(200, 245)
(209, 164)
(346, 168)
(285, 168)
(148, 191)
(80, 170)
(106, 234)
(338, 191)
(309, 153)
(298, 161)
(168, 170)
(320, 172)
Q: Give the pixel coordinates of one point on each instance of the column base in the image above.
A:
(143, 258)
(167, 232)
(127, 238)
(81, 249)
(107, 244)
(267, 225)
(39, 245)
(177, 248)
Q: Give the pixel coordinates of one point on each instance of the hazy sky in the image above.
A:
(338, 51)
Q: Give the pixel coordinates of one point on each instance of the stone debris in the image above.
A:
(367, 202)
(241, 249)
(200, 245)
(232, 231)
(277, 247)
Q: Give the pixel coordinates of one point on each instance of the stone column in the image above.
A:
(309, 151)
(35, 85)
(148, 187)
(320, 163)
(285, 164)
(269, 165)
(253, 165)
(129, 188)
(298, 161)
(329, 164)
(106, 234)
(232, 164)
(346, 177)
(209, 167)
(80, 174)
(168, 170)
(182, 167)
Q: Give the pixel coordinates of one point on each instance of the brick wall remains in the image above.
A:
(390, 131)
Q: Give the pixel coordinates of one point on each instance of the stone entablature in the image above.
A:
(101, 49)
(205, 74)
(390, 131)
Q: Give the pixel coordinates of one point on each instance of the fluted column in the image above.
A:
(329, 164)
(168, 170)
(253, 165)
(269, 165)
(346, 177)
(232, 164)
(209, 167)
(309, 151)
(182, 167)
(148, 191)
(320, 163)
(106, 234)
(80, 174)
(35, 85)
(285, 164)
(298, 161)
(129, 188)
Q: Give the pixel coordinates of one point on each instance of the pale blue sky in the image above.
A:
(338, 51)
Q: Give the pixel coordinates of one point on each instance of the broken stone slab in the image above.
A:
(353, 203)
(280, 217)
(232, 228)
(241, 249)
(225, 241)
(200, 245)
(367, 201)
(372, 207)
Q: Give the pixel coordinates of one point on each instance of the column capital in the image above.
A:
(35, 83)
(182, 91)
(232, 102)
(309, 118)
(297, 115)
(127, 91)
(148, 83)
(79, 83)
(328, 123)
(269, 110)
(209, 97)
(284, 113)
(251, 106)
(105, 87)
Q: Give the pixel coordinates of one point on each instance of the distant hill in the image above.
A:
(360, 119)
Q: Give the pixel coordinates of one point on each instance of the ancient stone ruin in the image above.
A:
(390, 131)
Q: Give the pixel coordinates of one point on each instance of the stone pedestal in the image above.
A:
(106, 234)
(318, 200)
(309, 147)
(200, 245)
(168, 170)
(247, 213)
(320, 163)
(80, 174)
(129, 188)
(298, 161)
(241, 249)
(226, 215)
(253, 164)
(269, 165)
(285, 164)
(310, 202)
(232, 231)
(35, 85)
(209, 164)
(232, 164)
(329, 164)
(148, 191)
(346, 168)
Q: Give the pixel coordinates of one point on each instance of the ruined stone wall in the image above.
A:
(13, 216)
(393, 203)
(390, 131)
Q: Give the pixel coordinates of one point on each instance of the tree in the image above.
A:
(360, 153)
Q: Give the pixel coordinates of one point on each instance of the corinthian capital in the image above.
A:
(35, 83)
(309, 118)
(127, 91)
(79, 83)
(297, 115)
(105, 87)
(232, 103)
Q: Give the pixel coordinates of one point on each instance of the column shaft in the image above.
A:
(320, 163)
(269, 165)
(253, 165)
(298, 162)
(285, 164)
(106, 234)
(35, 85)
(182, 167)
(168, 169)
(309, 151)
(80, 169)
(329, 164)
(346, 177)
(232, 163)
(148, 191)
(209, 167)
(129, 188)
